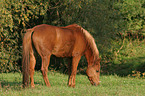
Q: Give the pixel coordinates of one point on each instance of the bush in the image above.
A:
(133, 16)
(17, 15)
(109, 21)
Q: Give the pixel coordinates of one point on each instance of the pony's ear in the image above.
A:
(99, 60)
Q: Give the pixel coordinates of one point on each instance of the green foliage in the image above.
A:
(133, 15)
(115, 25)
(15, 14)
(127, 47)
(7, 44)
(126, 56)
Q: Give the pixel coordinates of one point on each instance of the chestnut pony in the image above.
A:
(70, 41)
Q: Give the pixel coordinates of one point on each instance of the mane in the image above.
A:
(91, 42)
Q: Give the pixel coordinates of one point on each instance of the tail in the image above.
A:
(27, 47)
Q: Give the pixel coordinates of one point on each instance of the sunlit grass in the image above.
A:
(110, 86)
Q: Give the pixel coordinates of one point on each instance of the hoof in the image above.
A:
(73, 86)
(33, 86)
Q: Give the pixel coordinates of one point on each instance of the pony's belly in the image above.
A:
(63, 50)
(62, 53)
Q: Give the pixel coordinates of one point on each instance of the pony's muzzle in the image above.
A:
(95, 84)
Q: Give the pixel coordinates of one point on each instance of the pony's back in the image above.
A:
(59, 41)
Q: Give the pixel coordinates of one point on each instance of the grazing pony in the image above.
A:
(70, 41)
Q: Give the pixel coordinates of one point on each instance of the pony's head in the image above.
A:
(93, 72)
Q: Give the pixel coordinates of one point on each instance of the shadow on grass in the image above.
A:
(125, 67)
(61, 64)
(14, 85)
(122, 67)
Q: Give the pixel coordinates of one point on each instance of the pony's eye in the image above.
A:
(97, 71)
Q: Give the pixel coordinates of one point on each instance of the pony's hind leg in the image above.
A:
(32, 66)
(44, 69)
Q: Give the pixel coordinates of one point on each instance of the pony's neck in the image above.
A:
(90, 56)
(91, 43)
(94, 51)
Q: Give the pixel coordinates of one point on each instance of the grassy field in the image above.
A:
(111, 85)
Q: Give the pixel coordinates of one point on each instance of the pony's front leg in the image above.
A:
(32, 66)
(75, 61)
(44, 69)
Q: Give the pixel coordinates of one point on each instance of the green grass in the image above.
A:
(110, 86)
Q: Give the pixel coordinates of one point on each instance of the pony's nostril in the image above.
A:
(95, 84)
